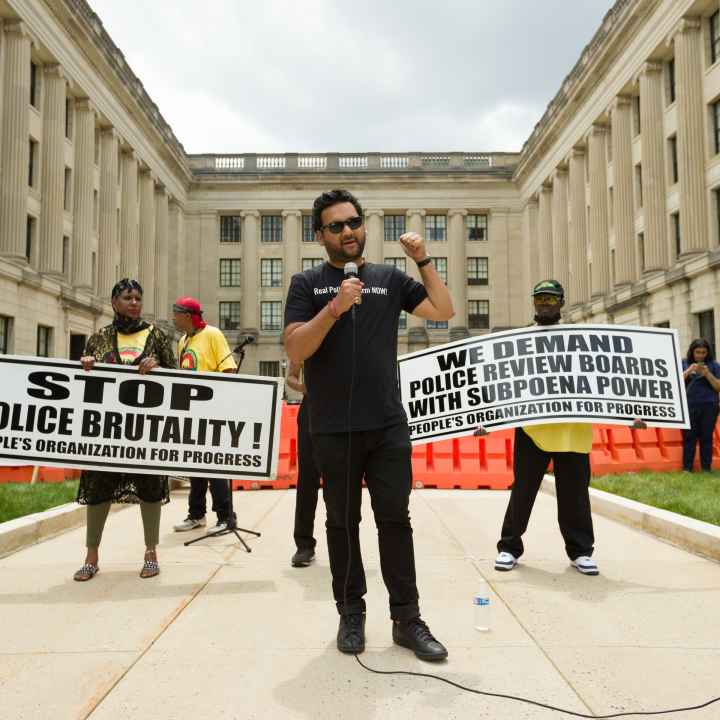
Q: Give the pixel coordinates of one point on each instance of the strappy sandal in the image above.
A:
(150, 567)
(87, 572)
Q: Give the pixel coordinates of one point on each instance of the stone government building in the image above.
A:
(616, 193)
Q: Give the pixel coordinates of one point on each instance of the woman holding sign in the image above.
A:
(129, 340)
(702, 385)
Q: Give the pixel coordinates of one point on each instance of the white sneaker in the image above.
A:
(189, 524)
(505, 561)
(219, 526)
(586, 565)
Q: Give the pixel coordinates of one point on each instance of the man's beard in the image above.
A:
(343, 254)
(548, 319)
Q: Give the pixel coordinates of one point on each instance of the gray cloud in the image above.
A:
(322, 75)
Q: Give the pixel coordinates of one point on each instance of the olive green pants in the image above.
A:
(97, 515)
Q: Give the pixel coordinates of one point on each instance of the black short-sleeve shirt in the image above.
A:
(375, 393)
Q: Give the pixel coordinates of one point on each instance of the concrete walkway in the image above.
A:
(223, 634)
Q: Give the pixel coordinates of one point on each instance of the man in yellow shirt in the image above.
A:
(568, 445)
(202, 348)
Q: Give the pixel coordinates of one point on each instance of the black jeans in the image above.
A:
(572, 480)
(220, 492)
(383, 457)
(308, 484)
(702, 423)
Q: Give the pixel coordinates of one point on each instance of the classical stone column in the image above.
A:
(162, 304)
(14, 145)
(545, 254)
(176, 250)
(624, 208)
(375, 222)
(83, 205)
(417, 332)
(129, 258)
(561, 269)
(291, 249)
(108, 251)
(653, 157)
(687, 37)
(599, 246)
(457, 271)
(147, 274)
(250, 303)
(577, 242)
(530, 213)
(53, 171)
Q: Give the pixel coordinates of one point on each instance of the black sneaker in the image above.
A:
(416, 636)
(351, 633)
(303, 557)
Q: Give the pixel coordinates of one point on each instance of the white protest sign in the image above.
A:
(112, 418)
(551, 374)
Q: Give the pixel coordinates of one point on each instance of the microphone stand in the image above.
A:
(232, 526)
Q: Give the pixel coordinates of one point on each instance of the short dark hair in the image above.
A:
(698, 343)
(328, 199)
(125, 284)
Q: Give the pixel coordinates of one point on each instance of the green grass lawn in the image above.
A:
(18, 499)
(696, 495)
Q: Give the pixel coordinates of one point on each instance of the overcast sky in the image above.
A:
(335, 75)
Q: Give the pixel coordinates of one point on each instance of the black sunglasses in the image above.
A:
(337, 227)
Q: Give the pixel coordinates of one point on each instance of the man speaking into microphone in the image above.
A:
(341, 320)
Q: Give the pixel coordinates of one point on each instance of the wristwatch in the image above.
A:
(424, 262)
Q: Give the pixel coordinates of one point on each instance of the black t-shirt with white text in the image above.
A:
(375, 396)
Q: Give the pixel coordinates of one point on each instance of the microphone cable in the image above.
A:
(430, 676)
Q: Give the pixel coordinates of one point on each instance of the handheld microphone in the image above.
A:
(351, 271)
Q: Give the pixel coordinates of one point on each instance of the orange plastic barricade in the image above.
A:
(651, 453)
(46, 475)
(622, 448)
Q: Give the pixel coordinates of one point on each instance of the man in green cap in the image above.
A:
(568, 446)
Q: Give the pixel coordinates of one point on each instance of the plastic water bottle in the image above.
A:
(481, 608)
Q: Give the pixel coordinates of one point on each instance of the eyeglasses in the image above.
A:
(544, 299)
(337, 227)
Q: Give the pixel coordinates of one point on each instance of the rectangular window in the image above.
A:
(706, 327)
(435, 226)
(308, 235)
(436, 324)
(477, 271)
(30, 236)
(67, 189)
(44, 341)
(641, 250)
(394, 227)
(477, 227)
(639, 184)
(399, 262)
(32, 165)
(34, 85)
(69, 124)
(271, 315)
(230, 228)
(714, 23)
(4, 335)
(479, 314)
(672, 144)
(671, 81)
(271, 272)
(402, 320)
(65, 255)
(308, 263)
(716, 196)
(440, 264)
(675, 224)
(229, 315)
(716, 126)
(230, 272)
(269, 368)
(271, 229)
(636, 113)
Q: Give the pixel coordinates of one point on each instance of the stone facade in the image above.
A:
(615, 193)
